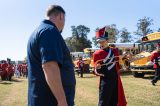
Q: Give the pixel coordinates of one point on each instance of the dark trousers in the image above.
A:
(157, 75)
(81, 72)
(108, 91)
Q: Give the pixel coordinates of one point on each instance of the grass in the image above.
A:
(139, 92)
(13, 93)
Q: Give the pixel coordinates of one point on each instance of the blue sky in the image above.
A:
(18, 18)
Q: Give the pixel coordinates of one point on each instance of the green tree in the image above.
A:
(158, 30)
(143, 26)
(94, 38)
(113, 33)
(94, 41)
(125, 36)
(78, 41)
(69, 43)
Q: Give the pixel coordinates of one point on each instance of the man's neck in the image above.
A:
(55, 23)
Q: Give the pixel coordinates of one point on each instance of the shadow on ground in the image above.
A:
(5, 82)
(88, 76)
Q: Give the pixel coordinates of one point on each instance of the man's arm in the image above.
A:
(53, 78)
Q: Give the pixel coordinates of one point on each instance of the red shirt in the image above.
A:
(155, 57)
(4, 69)
(80, 63)
(4, 66)
(10, 69)
(24, 67)
(0, 66)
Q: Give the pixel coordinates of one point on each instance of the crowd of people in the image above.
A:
(8, 69)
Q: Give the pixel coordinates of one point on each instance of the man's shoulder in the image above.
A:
(115, 51)
(100, 51)
(45, 31)
(46, 28)
(154, 53)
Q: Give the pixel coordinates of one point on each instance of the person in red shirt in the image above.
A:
(0, 69)
(20, 69)
(106, 64)
(80, 64)
(10, 71)
(4, 66)
(24, 70)
(155, 58)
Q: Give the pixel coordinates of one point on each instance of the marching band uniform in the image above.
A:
(10, 71)
(155, 57)
(80, 64)
(111, 91)
(4, 66)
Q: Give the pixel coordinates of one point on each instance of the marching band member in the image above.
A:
(106, 64)
(155, 57)
(80, 64)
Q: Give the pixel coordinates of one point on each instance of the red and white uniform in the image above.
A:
(80, 63)
(10, 70)
(155, 58)
(110, 59)
(4, 69)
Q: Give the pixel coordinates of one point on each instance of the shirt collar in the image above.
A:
(50, 23)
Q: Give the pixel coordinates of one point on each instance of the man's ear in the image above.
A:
(60, 16)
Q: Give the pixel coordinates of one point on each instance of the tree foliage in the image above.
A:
(78, 41)
(158, 30)
(143, 26)
(125, 36)
(94, 38)
(113, 33)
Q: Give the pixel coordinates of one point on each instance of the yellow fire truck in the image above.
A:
(141, 63)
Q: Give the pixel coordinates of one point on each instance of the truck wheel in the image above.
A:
(138, 75)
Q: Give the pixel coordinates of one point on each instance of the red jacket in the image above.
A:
(20, 67)
(155, 56)
(0, 69)
(100, 55)
(80, 63)
(4, 69)
(10, 70)
(0, 66)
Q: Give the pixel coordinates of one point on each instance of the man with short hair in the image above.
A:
(51, 75)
